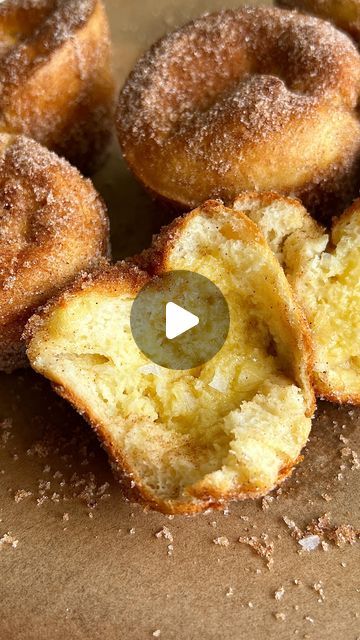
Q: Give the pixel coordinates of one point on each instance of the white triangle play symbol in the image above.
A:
(178, 320)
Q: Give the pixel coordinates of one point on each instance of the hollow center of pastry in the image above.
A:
(329, 289)
(237, 421)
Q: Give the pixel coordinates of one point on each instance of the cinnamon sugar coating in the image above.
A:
(344, 13)
(53, 225)
(257, 98)
(56, 84)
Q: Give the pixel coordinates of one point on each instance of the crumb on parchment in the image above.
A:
(321, 530)
(8, 539)
(165, 533)
(222, 541)
(263, 546)
(279, 593)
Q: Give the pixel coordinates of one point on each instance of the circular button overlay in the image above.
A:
(180, 320)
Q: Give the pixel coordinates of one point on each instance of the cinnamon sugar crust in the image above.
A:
(53, 225)
(55, 76)
(257, 98)
(345, 14)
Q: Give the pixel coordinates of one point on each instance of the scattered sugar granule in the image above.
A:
(262, 546)
(355, 461)
(165, 533)
(65, 517)
(229, 592)
(319, 588)
(279, 593)
(266, 502)
(309, 543)
(340, 535)
(21, 494)
(40, 501)
(170, 549)
(157, 633)
(294, 529)
(326, 497)
(325, 545)
(309, 619)
(222, 541)
(9, 540)
(279, 615)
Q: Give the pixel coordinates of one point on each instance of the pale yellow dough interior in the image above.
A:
(324, 271)
(330, 290)
(235, 422)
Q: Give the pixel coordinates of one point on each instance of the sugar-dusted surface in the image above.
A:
(55, 77)
(256, 64)
(344, 13)
(235, 101)
(53, 224)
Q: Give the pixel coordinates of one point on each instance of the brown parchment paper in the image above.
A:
(78, 562)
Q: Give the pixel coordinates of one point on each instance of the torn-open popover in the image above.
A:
(324, 271)
(181, 442)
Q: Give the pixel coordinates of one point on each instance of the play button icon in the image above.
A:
(180, 320)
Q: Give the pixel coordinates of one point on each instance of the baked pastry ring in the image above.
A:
(324, 271)
(55, 76)
(344, 13)
(53, 224)
(180, 445)
(253, 99)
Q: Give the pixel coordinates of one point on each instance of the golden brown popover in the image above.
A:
(180, 443)
(55, 76)
(324, 270)
(52, 225)
(344, 13)
(258, 98)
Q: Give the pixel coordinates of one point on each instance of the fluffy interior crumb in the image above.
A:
(329, 287)
(237, 421)
(325, 272)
